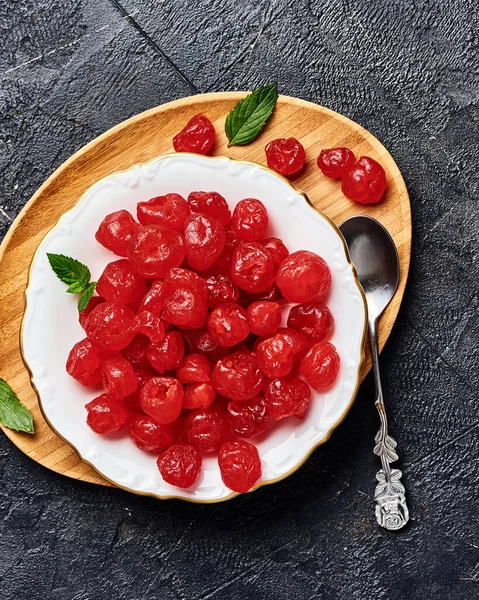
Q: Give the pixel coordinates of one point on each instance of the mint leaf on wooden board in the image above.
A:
(249, 115)
(13, 414)
(84, 299)
(69, 270)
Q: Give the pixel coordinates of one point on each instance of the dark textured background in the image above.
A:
(407, 71)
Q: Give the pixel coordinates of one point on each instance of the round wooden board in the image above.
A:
(140, 139)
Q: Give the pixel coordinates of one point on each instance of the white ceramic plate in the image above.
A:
(51, 328)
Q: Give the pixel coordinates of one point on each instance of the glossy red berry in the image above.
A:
(320, 366)
(210, 203)
(197, 136)
(313, 319)
(198, 395)
(365, 182)
(153, 250)
(185, 299)
(206, 429)
(169, 211)
(82, 315)
(150, 436)
(272, 294)
(240, 465)
(83, 363)
(167, 354)
(275, 356)
(285, 155)
(180, 465)
(135, 352)
(299, 343)
(250, 219)
(201, 342)
(110, 326)
(194, 368)
(303, 276)
(221, 290)
(252, 267)
(223, 263)
(248, 417)
(118, 377)
(146, 323)
(264, 317)
(204, 240)
(276, 248)
(143, 375)
(115, 232)
(238, 376)
(336, 162)
(286, 397)
(120, 283)
(228, 324)
(106, 416)
(162, 399)
(153, 300)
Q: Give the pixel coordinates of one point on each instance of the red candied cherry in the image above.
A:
(223, 263)
(275, 356)
(272, 294)
(197, 136)
(252, 267)
(150, 436)
(167, 354)
(110, 326)
(313, 319)
(115, 232)
(105, 415)
(286, 397)
(198, 395)
(82, 315)
(336, 162)
(204, 240)
(169, 211)
(221, 290)
(248, 417)
(132, 402)
(299, 343)
(206, 429)
(303, 276)
(240, 465)
(119, 282)
(210, 203)
(148, 324)
(201, 342)
(83, 363)
(180, 465)
(264, 318)
(194, 368)
(238, 376)
(320, 366)
(162, 399)
(118, 377)
(285, 155)
(276, 248)
(185, 298)
(153, 250)
(365, 182)
(153, 299)
(135, 352)
(228, 324)
(250, 219)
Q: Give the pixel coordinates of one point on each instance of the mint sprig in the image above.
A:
(13, 414)
(249, 115)
(75, 274)
(85, 297)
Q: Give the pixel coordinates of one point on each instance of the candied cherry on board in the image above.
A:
(105, 415)
(313, 319)
(238, 376)
(118, 377)
(204, 240)
(150, 436)
(275, 356)
(162, 399)
(119, 282)
(285, 155)
(185, 299)
(169, 210)
(198, 136)
(110, 326)
(206, 429)
(252, 267)
(135, 352)
(303, 276)
(221, 290)
(240, 465)
(153, 299)
(148, 324)
(248, 417)
(83, 363)
(194, 368)
(250, 219)
(336, 162)
(180, 465)
(228, 324)
(198, 395)
(264, 317)
(83, 314)
(210, 203)
(167, 354)
(365, 182)
(153, 250)
(320, 366)
(287, 397)
(223, 263)
(132, 402)
(115, 232)
(276, 248)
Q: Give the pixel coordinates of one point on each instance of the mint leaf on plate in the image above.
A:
(70, 271)
(13, 414)
(84, 299)
(249, 115)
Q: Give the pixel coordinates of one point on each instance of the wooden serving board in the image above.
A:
(140, 139)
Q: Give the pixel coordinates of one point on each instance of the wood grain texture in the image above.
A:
(141, 139)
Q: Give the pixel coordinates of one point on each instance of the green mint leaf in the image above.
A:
(69, 270)
(78, 287)
(86, 296)
(13, 414)
(249, 115)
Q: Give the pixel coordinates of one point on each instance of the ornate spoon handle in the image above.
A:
(391, 508)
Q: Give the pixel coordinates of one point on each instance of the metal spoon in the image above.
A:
(375, 257)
